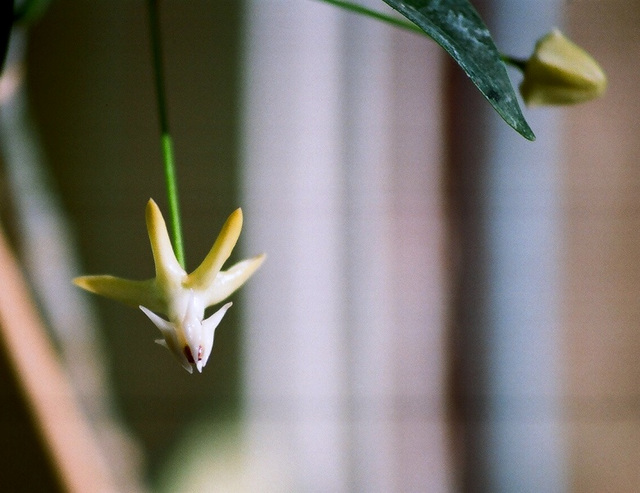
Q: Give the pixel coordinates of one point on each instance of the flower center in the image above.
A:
(187, 353)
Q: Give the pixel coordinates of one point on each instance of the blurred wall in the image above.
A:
(343, 172)
(602, 263)
(506, 225)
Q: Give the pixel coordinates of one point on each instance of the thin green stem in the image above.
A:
(359, 9)
(172, 194)
(165, 136)
(519, 63)
(404, 24)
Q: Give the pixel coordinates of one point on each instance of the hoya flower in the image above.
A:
(181, 297)
(560, 72)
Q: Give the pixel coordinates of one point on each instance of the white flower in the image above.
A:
(181, 297)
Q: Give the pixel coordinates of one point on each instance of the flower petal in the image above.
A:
(170, 340)
(204, 275)
(124, 290)
(209, 327)
(167, 266)
(228, 281)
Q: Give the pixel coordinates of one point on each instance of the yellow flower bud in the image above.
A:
(560, 72)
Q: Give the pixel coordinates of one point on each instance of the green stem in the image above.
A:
(359, 9)
(165, 136)
(404, 24)
(519, 63)
(172, 194)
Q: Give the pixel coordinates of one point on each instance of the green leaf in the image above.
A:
(6, 22)
(456, 26)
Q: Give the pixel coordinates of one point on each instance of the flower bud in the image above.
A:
(560, 72)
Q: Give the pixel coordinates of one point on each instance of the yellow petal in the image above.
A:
(230, 280)
(206, 273)
(167, 266)
(133, 293)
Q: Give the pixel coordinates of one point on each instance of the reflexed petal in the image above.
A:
(206, 272)
(170, 340)
(228, 281)
(129, 292)
(163, 325)
(209, 327)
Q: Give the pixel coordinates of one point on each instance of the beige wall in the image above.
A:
(602, 300)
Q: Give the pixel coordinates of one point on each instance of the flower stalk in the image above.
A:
(165, 136)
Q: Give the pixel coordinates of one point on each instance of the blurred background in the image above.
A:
(444, 307)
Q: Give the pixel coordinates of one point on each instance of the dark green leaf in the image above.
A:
(6, 21)
(456, 26)
(29, 11)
